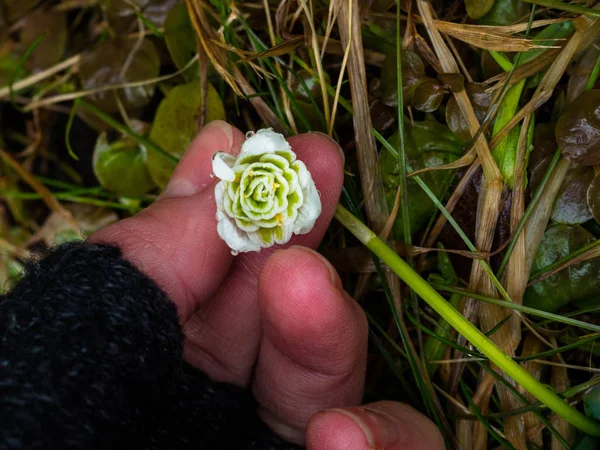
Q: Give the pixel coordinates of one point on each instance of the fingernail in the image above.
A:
(335, 279)
(181, 186)
(333, 141)
(379, 429)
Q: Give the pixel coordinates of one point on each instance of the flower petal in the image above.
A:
(263, 142)
(222, 164)
(310, 209)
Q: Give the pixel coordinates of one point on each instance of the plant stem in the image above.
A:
(463, 326)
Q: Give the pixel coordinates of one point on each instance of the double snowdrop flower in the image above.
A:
(265, 194)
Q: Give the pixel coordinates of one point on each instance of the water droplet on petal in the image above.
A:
(249, 134)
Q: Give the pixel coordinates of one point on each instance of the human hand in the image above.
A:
(277, 321)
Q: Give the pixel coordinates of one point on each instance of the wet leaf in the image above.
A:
(480, 100)
(591, 403)
(428, 95)
(593, 198)
(571, 206)
(413, 71)
(181, 40)
(544, 143)
(504, 12)
(454, 82)
(427, 144)
(578, 283)
(578, 129)
(478, 8)
(121, 167)
(105, 65)
(310, 82)
(176, 124)
(50, 49)
(154, 10)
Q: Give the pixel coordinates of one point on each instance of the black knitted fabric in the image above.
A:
(91, 358)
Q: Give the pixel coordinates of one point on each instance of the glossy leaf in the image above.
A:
(413, 71)
(51, 48)
(478, 8)
(591, 403)
(578, 129)
(480, 99)
(427, 95)
(176, 124)
(104, 65)
(181, 40)
(571, 206)
(593, 197)
(504, 12)
(154, 10)
(454, 82)
(578, 283)
(121, 167)
(427, 144)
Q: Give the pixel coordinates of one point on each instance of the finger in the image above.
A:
(314, 345)
(382, 425)
(223, 336)
(174, 241)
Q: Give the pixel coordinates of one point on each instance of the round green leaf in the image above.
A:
(593, 198)
(181, 39)
(578, 129)
(503, 12)
(176, 124)
(591, 403)
(50, 49)
(478, 8)
(413, 71)
(427, 144)
(121, 167)
(104, 65)
(578, 283)
(427, 95)
(480, 99)
(571, 206)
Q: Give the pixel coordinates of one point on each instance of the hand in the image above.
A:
(277, 321)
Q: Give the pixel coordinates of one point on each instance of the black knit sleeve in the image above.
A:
(91, 358)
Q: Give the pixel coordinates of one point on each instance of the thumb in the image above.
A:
(381, 425)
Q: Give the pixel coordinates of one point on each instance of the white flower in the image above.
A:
(265, 194)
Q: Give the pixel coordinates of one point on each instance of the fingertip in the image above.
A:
(385, 424)
(193, 172)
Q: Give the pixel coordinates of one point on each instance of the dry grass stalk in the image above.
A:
(536, 225)
(560, 382)
(36, 78)
(533, 425)
(13, 250)
(230, 72)
(585, 256)
(49, 199)
(526, 70)
(368, 165)
(487, 38)
(587, 30)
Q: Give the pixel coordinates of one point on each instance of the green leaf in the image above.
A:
(427, 144)
(478, 8)
(176, 124)
(121, 167)
(109, 63)
(502, 12)
(578, 283)
(49, 50)
(413, 72)
(591, 403)
(571, 205)
(181, 40)
(578, 129)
